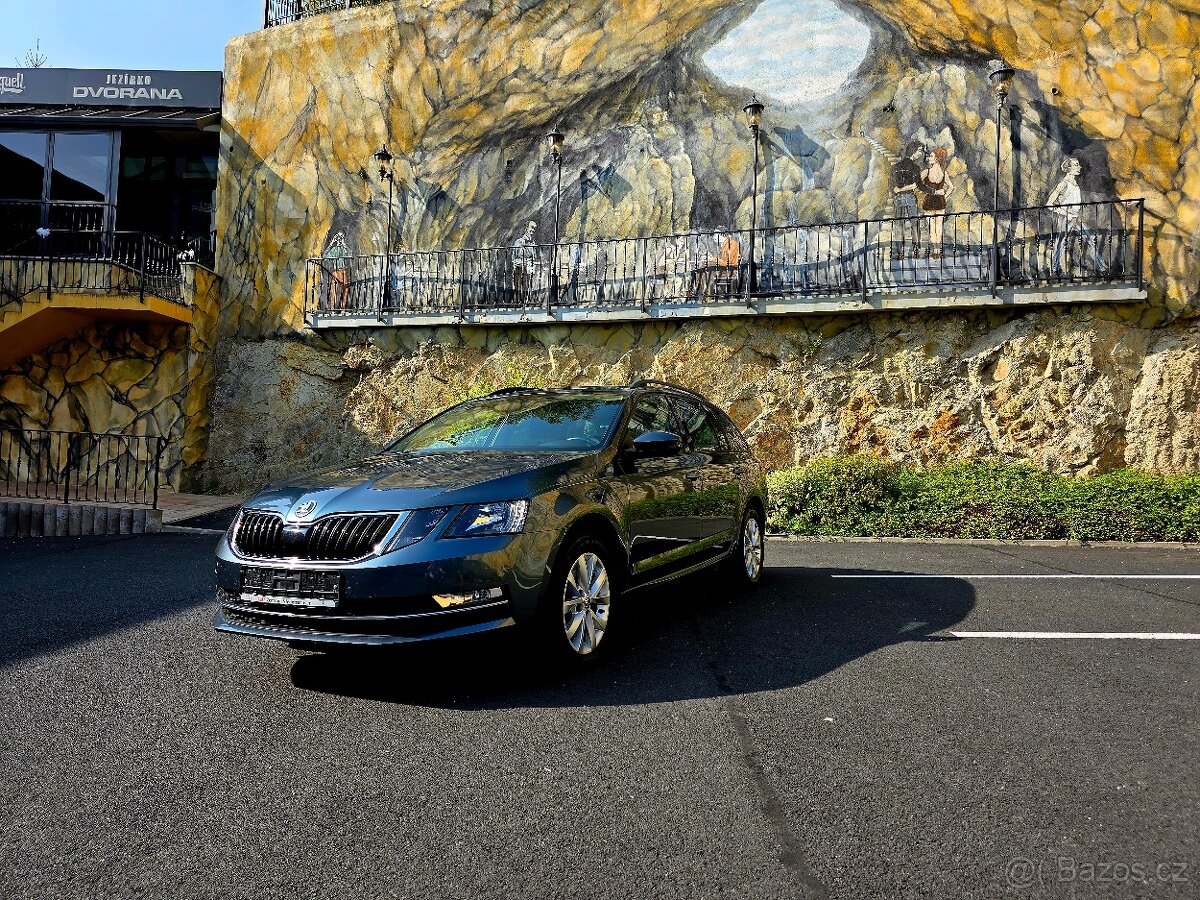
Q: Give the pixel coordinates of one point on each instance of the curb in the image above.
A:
(982, 542)
(187, 529)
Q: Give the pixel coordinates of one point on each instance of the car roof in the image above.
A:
(609, 390)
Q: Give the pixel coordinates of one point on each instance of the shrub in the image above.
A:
(871, 497)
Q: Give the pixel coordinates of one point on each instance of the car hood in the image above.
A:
(421, 480)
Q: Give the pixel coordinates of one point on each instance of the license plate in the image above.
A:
(291, 587)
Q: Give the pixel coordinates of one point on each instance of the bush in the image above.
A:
(870, 497)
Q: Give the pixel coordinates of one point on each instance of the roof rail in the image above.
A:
(654, 382)
(511, 390)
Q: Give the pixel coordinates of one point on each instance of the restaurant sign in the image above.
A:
(110, 87)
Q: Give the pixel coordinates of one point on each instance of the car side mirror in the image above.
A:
(656, 443)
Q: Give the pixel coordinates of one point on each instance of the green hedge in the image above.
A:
(870, 497)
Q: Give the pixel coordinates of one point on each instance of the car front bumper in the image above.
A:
(389, 599)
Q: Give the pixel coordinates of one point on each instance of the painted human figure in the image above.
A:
(524, 263)
(936, 186)
(339, 277)
(906, 175)
(1065, 200)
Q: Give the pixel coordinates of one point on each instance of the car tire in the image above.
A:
(747, 557)
(575, 615)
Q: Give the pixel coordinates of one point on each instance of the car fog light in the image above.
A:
(447, 601)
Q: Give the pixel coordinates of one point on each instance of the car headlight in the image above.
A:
(416, 527)
(489, 518)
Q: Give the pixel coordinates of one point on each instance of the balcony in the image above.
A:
(1090, 252)
(56, 280)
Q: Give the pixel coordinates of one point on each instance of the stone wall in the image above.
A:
(462, 94)
(128, 378)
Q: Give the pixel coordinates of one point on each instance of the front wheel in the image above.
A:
(746, 558)
(577, 608)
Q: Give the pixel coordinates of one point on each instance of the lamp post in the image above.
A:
(387, 172)
(753, 111)
(1000, 74)
(555, 141)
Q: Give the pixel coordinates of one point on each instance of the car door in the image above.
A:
(713, 488)
(653, 493)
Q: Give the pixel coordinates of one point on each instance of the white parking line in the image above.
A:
(951, 575)
(1074, 635)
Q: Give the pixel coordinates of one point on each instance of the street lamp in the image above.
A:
(554, 140)
(387, 172)
(753, 110)
(1000, 74)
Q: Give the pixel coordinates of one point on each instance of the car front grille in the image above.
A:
(262, 535)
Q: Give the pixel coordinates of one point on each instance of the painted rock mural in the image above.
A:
(873, 110)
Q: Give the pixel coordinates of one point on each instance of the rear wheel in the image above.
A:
(577, 608)
(746, 558)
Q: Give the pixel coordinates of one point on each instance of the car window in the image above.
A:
(517, 423)
(700, 432)
(651, 413)
(733, 435)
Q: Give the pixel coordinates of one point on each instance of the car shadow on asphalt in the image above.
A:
(691, 639)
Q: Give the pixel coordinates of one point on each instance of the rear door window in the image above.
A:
(700, 432)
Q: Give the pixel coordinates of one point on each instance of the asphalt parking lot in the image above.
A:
(828, 736)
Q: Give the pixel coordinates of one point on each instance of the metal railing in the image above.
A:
(68, 466)
(19, 219)
(1086, 243)
(281, 12)
(96, 261)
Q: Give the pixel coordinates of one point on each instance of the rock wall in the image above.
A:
(462, 93)
(126, 378)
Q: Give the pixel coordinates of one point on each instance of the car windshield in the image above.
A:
(526, 423)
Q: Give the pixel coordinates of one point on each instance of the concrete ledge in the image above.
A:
(23, 518)
(875, 301)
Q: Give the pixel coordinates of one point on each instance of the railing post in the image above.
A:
(864, 261)
(645, 283)
(162, 445)
(49, 266)
(1141, 237)
(385, 274)
(995, 279)
(308, 268)
(462, 284)
(67, 470)
(142, 292)
(266, 13)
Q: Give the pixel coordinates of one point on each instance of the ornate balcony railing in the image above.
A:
(281, 12)
(1043, 251)
(89, 260)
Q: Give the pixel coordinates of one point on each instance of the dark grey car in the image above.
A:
(547, 509)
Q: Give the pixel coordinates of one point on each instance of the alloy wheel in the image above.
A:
(586, 599)
(752, 547)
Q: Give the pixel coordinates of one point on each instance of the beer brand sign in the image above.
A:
(107, 87)
(12, 84)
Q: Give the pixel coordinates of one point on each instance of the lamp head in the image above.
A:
(555, 141)
(754, 110)
(1000, 74)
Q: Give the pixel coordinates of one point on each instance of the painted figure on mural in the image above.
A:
(339, 277)
(525, 262)
(906, 176)
(1068, 220)
(935, 188)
